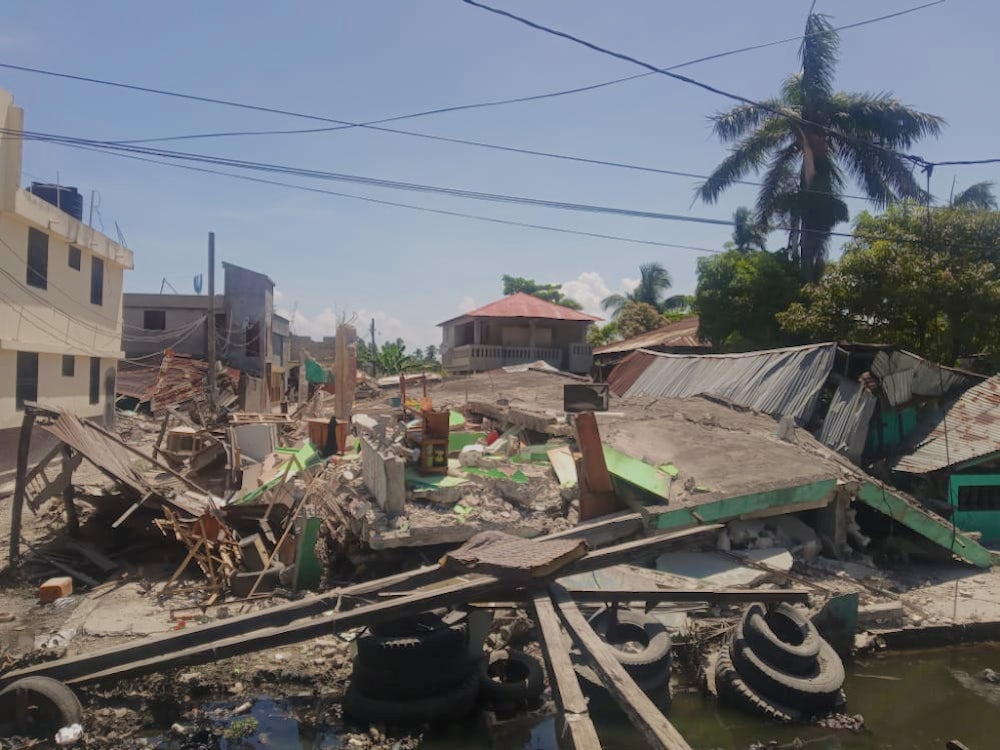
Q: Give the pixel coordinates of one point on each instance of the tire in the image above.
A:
(397, 684)
(51, 706)
(816, 692)
(733, 690)
(521, 678)
(407, 643)
(637, 626)
(783, 637)
(449, 706)
(651, 684)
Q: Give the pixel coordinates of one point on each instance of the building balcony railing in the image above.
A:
(480, 357)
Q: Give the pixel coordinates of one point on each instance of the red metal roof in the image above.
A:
(521, 305)
(682, 333)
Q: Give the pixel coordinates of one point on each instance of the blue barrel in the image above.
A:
(65, 197)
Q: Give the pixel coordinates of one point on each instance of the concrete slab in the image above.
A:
(126, 610)
(714, 570)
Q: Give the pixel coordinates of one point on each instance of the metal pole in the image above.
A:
(374, 350)
(212, 333)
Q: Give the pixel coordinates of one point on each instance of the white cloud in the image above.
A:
(278, 296)
(588, 289)
(628, 285)
(467, 304)
(387, 326)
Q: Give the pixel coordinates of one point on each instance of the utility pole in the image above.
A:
(374, 350)
(212, 333)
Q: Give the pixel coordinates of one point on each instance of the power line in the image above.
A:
(699, 84)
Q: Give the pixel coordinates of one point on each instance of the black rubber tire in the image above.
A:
(814, 693)
(449, 706)
(643, 627)
(794, 653)
(51, 706)
(655, 683)
(523, 680)
(436, 677)
(733, 690)
(415, 641)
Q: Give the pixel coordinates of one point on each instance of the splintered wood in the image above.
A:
(210, 544)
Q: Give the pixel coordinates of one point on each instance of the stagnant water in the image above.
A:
(913, 700)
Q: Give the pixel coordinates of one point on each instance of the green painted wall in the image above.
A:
(985, 521)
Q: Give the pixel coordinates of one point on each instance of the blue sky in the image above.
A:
(366, 60)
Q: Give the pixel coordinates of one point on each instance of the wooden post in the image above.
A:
(641, 711)
(72, 520)
(597, 493)
(20, 480)
(161, 434)
(562, 677)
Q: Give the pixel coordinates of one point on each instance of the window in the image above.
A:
(97, 281)
(68, 366)
(154, 320)
(74, 257)
(979, 498)
(27, 378)
(95, 380)
(38, 259)
(253, 339)
(221, 327)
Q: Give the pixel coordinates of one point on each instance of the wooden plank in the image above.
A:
(712, 596)
(58, 483)
(564, 465)
(641, 711)
(20, 485)
(597, 493)
(95, 556)
(562, 677)
(603, 530)
(629, 550)
(68, 570)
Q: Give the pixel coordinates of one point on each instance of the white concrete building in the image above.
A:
(60, 298)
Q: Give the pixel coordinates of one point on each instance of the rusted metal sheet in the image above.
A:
(968, 429)
(110, 454)
(779, 382)
(628, 370)
(682, 334)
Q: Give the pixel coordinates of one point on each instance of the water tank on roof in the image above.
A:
(66, 198)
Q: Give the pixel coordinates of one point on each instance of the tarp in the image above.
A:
(316, 373)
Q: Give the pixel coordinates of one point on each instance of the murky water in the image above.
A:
(914, 700)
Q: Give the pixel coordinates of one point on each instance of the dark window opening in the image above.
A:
(97, 281)
(38, 259)
(27, 378)
(978, 498)
(95, 380)
(68, 366)
(253, 339)
(154, 320)
(221, 328)
(74, 257)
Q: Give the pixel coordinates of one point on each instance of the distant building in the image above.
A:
(322, 350)
(281, 356)
(517, 329)
(60, 297)
(244, 324)
(679, 337)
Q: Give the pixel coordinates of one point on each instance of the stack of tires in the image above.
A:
(510, 680)
(778, 665)
(419, 670)
(641, 645)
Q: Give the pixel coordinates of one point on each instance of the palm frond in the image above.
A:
(881, 119)
(748, 156)
(614, 303)
(654, 280)
(819, 53)
(741, 120)
(780, 179)
(978, 197)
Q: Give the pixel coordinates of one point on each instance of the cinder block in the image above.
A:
(55, 588)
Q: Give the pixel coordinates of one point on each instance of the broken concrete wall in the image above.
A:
(383, 476)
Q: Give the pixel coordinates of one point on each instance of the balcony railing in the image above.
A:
(479, 357)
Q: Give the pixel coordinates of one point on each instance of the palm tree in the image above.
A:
(654, 280)
(748, 234)
(806, 151)
(978, 197)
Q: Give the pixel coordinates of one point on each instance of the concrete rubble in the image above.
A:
(192, 513)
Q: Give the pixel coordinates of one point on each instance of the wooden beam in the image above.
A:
(628, 550)
(597, 493)
(70, 462)
(20, 485)
(711, 596)
(562, 677)
(68, 570)
(641, 711)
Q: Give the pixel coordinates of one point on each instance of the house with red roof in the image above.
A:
(517, 329)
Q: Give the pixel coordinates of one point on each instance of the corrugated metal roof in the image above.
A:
(628, 370)
(521, 305)
(905, 376)
(680, 333)
(969, 429)
(845, 428)
(780, 382)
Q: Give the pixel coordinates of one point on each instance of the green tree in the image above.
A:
(638, 317)
(977, 197)
(601, 335)
(391, 359)
(929, 286)
(548, 292)
(805, 162)
(432, 353)
(738, 295)
(748, 233)
(654, 281)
